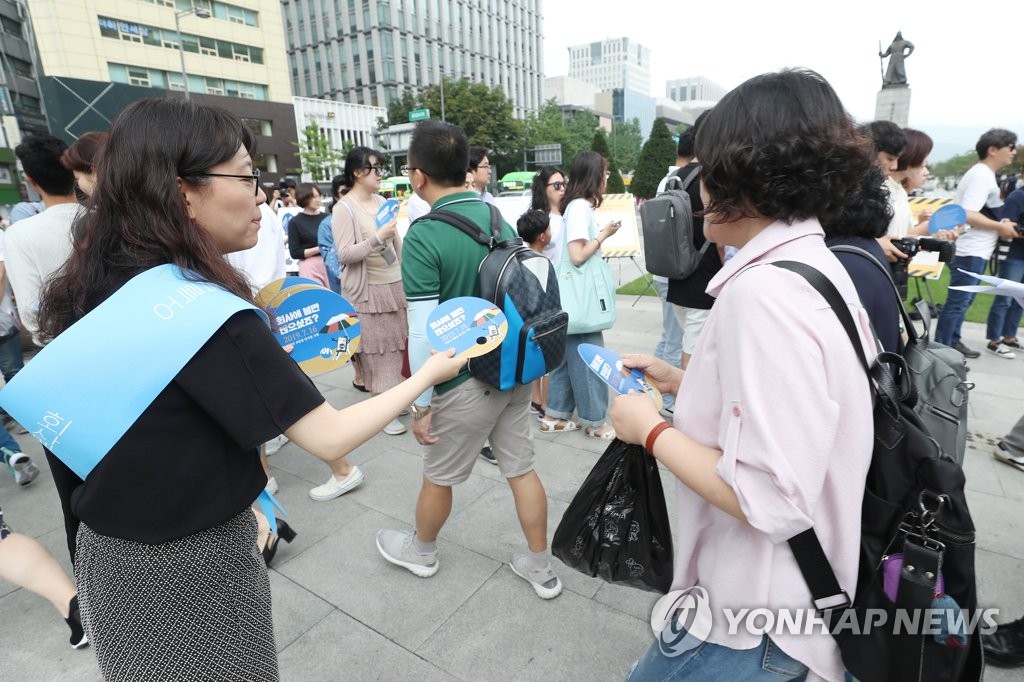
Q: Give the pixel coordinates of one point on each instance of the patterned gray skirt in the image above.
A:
(197, 608)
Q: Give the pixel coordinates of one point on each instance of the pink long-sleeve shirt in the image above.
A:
(775, 384)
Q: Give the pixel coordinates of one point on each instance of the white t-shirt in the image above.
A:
(35, 248)
(554, 248)
(978, 189)
(902, 216)
(664, 181)
(580, 221)
(263, 263)
(416, 207)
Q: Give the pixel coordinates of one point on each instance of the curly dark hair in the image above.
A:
(782, 146)
(139, 219)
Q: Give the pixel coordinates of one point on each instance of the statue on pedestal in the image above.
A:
(896, 75)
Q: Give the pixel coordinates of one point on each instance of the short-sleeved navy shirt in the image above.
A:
(191, 460)
(1013, 209)
(873, 287)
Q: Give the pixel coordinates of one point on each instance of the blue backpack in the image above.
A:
(524, 285)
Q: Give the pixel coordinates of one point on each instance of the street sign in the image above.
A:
(419, 115)
(547, 154)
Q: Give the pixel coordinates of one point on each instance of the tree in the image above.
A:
(483, 113)
(658, 153)
(316, 155)
(573, 130)
(625, 142)
(954, 166)
(398, 109)
(600, 145)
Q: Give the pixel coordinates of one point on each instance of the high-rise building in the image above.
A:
(369, 51)
(19, 90)
(695, 92)
(99, 56)
(614, 63)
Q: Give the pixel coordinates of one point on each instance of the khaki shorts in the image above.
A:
(692, 322)
(465, 417)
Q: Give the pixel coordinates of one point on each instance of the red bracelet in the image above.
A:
(653, 435)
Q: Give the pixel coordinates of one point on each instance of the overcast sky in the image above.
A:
(959, 87)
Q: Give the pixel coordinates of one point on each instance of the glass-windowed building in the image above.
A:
(369, 51)
(228, 44)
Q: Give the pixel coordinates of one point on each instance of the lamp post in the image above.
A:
(200, 12)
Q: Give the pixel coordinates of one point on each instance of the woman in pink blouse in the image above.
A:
(773, 428)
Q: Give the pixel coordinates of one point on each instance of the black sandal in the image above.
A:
(360, 387)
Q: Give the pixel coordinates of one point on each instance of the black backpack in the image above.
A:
(937, 388)
(914, 505)
(523, 284)
(667, 222)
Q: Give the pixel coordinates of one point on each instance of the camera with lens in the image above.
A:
(910, 246)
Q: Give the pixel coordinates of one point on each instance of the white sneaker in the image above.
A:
(1001, 350)
(545, 583)
(395, 428)
(335, 488)
(275, 444)
(271, 486)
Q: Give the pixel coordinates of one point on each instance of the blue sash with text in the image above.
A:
(79, 401)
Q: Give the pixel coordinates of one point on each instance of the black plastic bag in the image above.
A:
(616, 527)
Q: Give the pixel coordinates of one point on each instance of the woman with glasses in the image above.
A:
(371, 279)
(548, 190)
(303, 231)
(573, 386)
(171, 584)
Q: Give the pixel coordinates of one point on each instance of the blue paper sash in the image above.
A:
(78, 402)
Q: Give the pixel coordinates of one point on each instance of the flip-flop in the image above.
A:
(607, 435)
(558, 425)
(360, 387)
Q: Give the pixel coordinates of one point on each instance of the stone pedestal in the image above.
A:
(893, 104)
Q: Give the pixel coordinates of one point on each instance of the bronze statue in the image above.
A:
(899, 50)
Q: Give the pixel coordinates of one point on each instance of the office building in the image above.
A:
(19, 91)
(340, 123)
(694, 93)
(99, 56)
(626, 105)
(614, 63)
(369, 52)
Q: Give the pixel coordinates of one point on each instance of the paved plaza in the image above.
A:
(342, 612)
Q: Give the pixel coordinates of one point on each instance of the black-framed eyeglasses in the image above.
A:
(559, 186)
(407, 170)
(254, 177)
(379, 170)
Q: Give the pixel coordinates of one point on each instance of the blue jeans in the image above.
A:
(11, 360)
(713, 662)
(947, 330)
(1004, 316)
(574, 387)
(670, 346)
(7, 442)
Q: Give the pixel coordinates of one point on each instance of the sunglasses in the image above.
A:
(379, 170)
(559, 186)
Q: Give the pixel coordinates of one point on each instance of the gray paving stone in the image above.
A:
(499, 634)
(346, 570)
(34, 645)
(490, 526)
(340, 648)
(995, 532)
(296, 610)
(394, 479)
